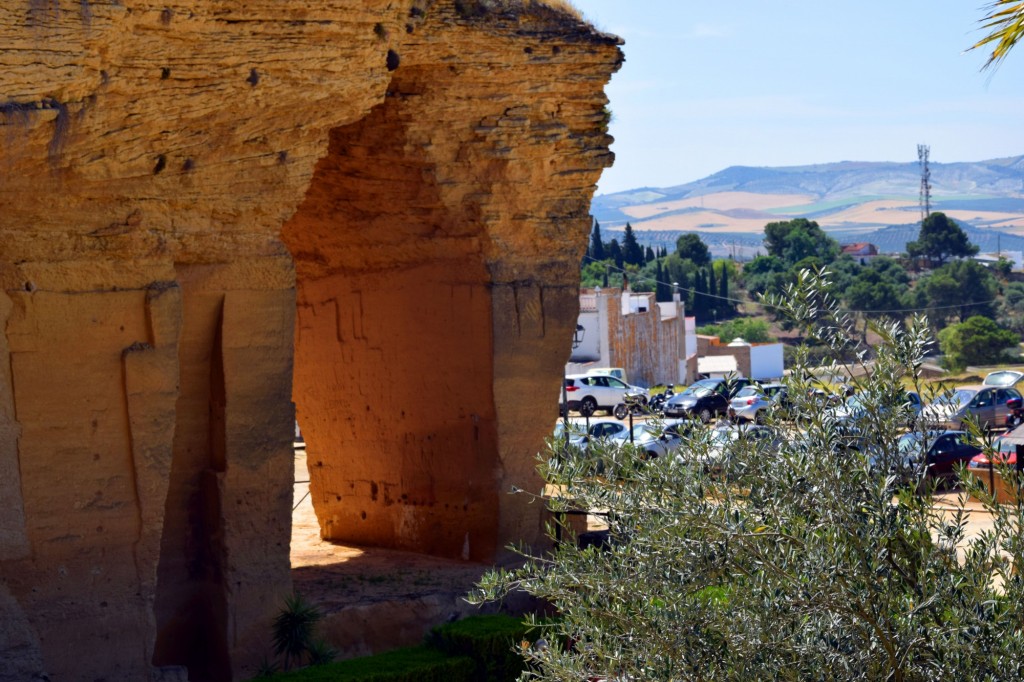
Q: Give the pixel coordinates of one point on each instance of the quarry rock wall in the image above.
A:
(200, 199)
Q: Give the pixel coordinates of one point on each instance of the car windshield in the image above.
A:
(957, 398)
(854, 403)
(723, 436)
(644, 432)
(910, 443)
(748, 392)
(697, 390)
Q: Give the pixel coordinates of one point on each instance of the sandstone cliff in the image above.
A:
(175, 178)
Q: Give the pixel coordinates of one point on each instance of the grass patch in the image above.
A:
(414, 664)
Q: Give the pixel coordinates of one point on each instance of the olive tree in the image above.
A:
(815, 555)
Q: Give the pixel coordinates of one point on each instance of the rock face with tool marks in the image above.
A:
(200, 199)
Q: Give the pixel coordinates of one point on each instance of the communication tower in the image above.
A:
(926, 175)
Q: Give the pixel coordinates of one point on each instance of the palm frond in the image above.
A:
(1005, 26)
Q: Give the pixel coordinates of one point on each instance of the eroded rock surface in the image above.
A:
(428, 164)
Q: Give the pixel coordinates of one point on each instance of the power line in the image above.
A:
(766, 305)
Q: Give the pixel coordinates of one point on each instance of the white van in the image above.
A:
(617, 372)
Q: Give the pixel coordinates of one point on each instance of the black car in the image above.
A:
(943, 451)
(705, 399)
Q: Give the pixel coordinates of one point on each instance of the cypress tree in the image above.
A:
(700, 298)
(712, 289)
(596, 245)
(632, 252)
(649, 255)
(661, 288)
(723, 289)
(615, 253)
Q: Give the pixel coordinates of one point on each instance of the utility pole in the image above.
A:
(923, 151)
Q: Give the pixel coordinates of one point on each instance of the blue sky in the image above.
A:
(710, 84)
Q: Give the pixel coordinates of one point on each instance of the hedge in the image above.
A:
(414, 664)
(475, 649)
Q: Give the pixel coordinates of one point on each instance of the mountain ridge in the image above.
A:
(851, 199)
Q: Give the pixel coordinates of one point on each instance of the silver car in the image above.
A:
(986, 405)
(752, 403)
(658, 440)
(724, 441)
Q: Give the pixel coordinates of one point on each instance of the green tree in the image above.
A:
(776, 559)
(632, 252)
(592, 273)
(959, 289)
(682, 271)
(596, 245)
(976, 341)
(1012, 310)
(752, 329)
(1003, 267)
(794, 240)
(649, 255)
(940, 238)
(878, 292)
(763, 275)
(692, 247)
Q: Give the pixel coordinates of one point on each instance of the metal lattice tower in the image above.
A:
(926, 175)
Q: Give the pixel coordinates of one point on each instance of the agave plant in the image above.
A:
(293, 628)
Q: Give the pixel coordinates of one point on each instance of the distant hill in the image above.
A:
(854, 201)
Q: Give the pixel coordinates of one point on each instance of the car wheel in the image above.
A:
(588, 406)
(620, 411)
(704, 415)
(759, 417)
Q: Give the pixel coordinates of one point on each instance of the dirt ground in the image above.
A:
(337, 576)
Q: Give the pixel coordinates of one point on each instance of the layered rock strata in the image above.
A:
(429, 165)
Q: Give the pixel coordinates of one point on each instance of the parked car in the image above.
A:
(987, 405)
(1003, 452)
(705, 399)
(658, 440)
(575, 441)
(941, 451)
(588, 393)
(725, 440)
(854, 408)
(751, 403)
(1003, 377)
(579, 435)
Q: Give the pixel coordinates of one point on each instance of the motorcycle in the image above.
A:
(1015, 414)
(634, 403)
(658, 401)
